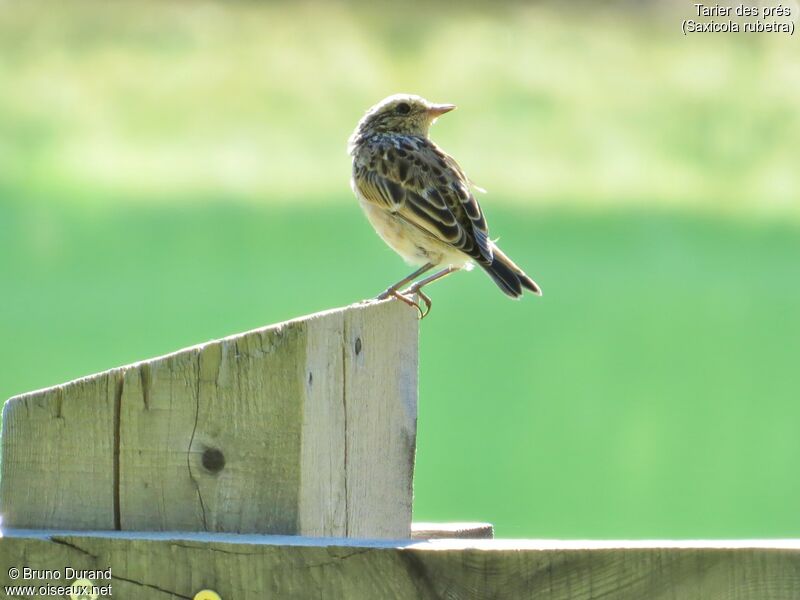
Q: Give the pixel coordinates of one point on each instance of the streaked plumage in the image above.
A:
(417, 197)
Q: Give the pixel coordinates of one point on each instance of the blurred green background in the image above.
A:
(173, 172)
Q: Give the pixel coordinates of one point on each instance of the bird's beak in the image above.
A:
(437, 110)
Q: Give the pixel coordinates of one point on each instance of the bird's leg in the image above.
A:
(428, 303)
(411, 302)
(392, 289)
(414, 289)
(417, 288)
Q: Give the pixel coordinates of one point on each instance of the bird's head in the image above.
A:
(401, 113)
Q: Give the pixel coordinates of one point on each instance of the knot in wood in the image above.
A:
(213, 460)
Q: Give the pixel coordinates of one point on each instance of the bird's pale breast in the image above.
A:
(414, 245)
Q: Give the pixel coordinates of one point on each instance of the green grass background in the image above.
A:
(176, 174)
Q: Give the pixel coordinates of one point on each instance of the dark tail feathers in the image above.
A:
(508, 276)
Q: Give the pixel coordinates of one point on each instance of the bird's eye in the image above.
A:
(403, 108)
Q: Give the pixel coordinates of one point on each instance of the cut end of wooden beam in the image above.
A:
(434, 531)
(304, 427)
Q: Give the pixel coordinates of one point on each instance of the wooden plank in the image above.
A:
(43, 433)
(381, 403)
(304, 427)
(437, 531)
(322, 506)
(240, 567)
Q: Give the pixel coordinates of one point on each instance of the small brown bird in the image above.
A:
(420, 201)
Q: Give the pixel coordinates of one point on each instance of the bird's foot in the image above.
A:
(407, 299)
(415, 289)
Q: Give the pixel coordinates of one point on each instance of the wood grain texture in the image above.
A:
(305, 427)
(382, 404)
(43, 434)
(241, 567)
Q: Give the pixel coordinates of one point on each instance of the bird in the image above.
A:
(420, 201)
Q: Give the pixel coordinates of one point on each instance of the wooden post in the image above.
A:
(307, 427)
(245, 567)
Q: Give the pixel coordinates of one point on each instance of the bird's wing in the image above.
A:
(415, 180)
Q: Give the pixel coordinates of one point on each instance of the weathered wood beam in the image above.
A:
(160, 565)
(306, 427)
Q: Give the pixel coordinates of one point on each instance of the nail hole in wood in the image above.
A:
(358, 346)
(213, 460)
(310, 378)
